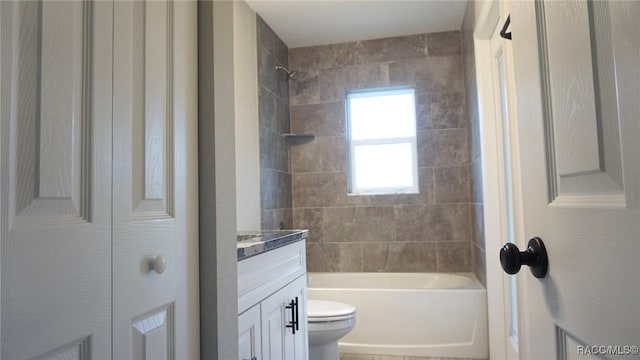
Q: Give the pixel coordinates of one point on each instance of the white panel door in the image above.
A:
(577, 73)
(154, 191)
(55, 158)
(56, 168)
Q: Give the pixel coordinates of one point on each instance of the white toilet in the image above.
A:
(328, 322)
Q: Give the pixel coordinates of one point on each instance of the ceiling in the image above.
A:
(310, 22)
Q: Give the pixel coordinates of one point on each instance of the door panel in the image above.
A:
(152, 115)
(56, 155)
(579, 138)
(582, 111)
(153, 334)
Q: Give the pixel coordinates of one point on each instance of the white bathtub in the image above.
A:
(410, 314)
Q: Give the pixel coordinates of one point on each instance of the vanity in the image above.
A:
(272, 295)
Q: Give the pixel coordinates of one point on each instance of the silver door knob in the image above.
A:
(159, 264)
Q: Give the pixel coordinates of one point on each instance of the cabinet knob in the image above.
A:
(159, 264)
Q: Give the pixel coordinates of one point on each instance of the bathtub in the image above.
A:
(410, 314)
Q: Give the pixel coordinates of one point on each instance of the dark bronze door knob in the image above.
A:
(535, 256)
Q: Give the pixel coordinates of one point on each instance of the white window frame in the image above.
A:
(375, 92)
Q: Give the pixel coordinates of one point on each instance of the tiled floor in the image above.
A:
(388, 357)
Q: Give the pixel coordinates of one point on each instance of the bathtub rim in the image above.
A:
(475, 284)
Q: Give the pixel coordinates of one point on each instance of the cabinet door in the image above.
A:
(250, 334)
(274, 318)
(278, 341)
(299, 343)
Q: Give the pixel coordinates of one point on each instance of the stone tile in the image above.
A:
(350, 257)
(375, 257)
(389, 49)
(270, 41)
(423, 121)
(477, 223)
(426, 188)
(277, 218)
(358, 224)
(326, 154)
(305, 157)
(442, 148)
(266, 109)
(282, 118)
(476, 181)
(444, 43)
(446, 111)
(443, 74)
(429, 223)
(454, 256)
(320, 189)
(281, 152)
(274, 150)
(326, 119)
(334, 83)
(270, 78)
(335, 191)
(284, 199)
(322, 257)
(412, 257)
(473, 121)
(268, 189)
(452, 184)
(267, 148)
(303, 88)
(468, 25)
(310, 219)
(322, 57)
(480, 264)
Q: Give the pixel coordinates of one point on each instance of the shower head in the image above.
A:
(290, 74)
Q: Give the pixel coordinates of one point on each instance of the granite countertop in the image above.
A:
(251, 243)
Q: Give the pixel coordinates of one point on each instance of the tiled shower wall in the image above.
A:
(477, 207)
(273, 102)
(425, 232)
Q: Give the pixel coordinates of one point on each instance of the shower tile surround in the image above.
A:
(478, 252)
(427, 232)
(273, 102)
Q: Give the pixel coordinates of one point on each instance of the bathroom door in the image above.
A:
(155, 259)
(577, 74)
(75, 277)
(55, 194)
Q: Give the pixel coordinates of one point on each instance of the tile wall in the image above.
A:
(478, 251)
(426, 232)
(273, 102)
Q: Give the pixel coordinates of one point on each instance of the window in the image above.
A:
(381, 136)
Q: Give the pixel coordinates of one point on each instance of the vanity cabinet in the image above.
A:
(272, 305)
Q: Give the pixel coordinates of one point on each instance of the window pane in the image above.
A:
(383, 166)
(384, 115)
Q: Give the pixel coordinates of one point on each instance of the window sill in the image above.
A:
(384, 193)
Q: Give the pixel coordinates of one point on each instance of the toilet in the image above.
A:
(328, 322)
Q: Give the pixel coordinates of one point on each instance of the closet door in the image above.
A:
(155, 280)
(55, 188)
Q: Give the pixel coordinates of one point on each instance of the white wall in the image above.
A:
(216, 173)
(245, 57)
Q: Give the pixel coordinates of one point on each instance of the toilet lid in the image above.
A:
(322, 310)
